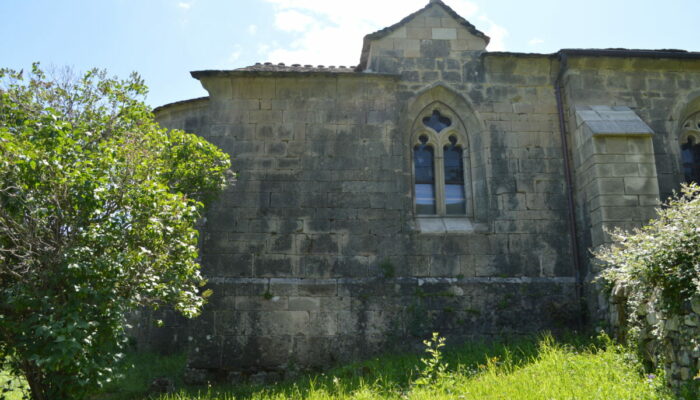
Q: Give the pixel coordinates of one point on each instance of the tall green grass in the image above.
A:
(528, 369)
(138, 370)
(544, 369)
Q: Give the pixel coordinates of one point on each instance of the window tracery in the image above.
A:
(440, 161)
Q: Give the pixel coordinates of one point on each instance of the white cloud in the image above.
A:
(330, 32)
(294, 21)
(535, 41)
(184, 5)
(252, 29)
(497, 34)
(235, 55)
(376, 12)
(263, 48)
(317, 47)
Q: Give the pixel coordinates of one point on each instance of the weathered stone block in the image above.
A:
(434, 48)
(444, 33)
(304, 303)
(274, 266)
(323, 323)
(274, 303)
(318, 288)
(645, 186)
(228, 265)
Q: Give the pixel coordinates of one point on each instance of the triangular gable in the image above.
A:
(389, 30)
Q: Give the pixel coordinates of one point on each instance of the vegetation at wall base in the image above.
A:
(574, 367)
(654, 275)
(97, 212)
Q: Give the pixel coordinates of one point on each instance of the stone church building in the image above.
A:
(433, 187)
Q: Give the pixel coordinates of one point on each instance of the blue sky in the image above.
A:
(165, 39)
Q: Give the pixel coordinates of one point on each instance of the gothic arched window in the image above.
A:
(690, 148)
(440, 162)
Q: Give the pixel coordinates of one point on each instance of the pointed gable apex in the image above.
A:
(388, 31)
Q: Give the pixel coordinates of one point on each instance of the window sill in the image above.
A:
(442, 225)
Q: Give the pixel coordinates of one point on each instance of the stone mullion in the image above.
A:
(467, 186)
(440, 181)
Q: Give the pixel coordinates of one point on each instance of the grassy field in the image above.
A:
(569, 368)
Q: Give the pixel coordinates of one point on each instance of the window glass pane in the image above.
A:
(437, 121)
(454, 199)
(423, 156)
(454, 179)
(425, 199)
(425, 179)
(690, 154)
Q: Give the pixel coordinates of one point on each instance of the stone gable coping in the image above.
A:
(162, 108)
(388, 30)
(616, 121)
(616, 53)
(664, 53)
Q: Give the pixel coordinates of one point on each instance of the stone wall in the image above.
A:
(661, 92)
(671, 342)
(316, 255)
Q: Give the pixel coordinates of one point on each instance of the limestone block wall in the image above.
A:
(659, 90)
(615, 168)
(616, 183)
(433, 35)
(188, 115)
(607, 164)
(667, 341)
(316, 256)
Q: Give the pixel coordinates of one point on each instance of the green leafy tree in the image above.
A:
(659, 264)
(97, 212)
(656, 270)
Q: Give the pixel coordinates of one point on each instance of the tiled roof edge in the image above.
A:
(311, 72)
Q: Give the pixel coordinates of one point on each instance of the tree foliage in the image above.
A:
(655, 274)
(97, 213)
(660, 262)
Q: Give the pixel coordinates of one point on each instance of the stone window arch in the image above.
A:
(440, 159)
(690, 148)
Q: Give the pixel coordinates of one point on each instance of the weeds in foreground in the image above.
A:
(524, 369)
(434, 368)
(574, 368)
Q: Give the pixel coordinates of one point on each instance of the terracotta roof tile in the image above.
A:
(270, 67)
